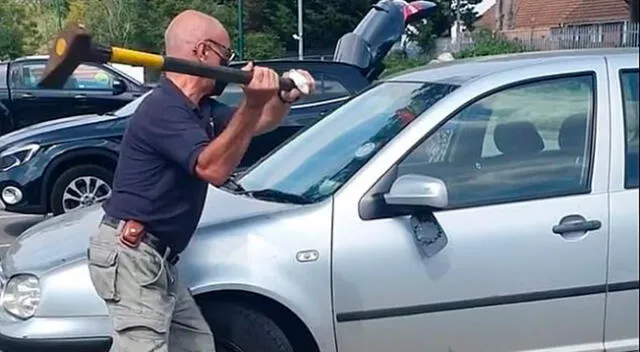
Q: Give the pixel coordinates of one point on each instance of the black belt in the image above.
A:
(152, 241)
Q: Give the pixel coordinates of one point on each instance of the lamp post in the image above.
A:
(240, 30)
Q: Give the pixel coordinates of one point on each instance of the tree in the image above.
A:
(110, 21)
(439, 23)
(17, 29)
(262, 46)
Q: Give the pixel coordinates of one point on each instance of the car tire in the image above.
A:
(237, 328)
(64, 180)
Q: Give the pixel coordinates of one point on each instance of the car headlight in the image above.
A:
(21, 296)
(13, 157)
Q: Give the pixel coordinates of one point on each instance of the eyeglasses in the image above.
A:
(227, 54)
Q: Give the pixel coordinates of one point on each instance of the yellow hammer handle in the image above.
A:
(136, 58)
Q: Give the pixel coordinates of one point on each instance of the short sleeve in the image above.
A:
(176, 135)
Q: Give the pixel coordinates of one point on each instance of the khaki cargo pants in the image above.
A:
(149, 308)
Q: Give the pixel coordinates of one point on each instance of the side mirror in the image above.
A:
(418, 191)
(119, 86)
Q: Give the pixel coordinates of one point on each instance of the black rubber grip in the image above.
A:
(221, 73)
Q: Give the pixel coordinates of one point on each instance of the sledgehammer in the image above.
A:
(74, 45)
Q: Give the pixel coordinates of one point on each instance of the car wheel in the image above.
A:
(240, 329)
(79, 187)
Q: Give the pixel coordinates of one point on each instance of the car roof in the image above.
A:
(463, 71)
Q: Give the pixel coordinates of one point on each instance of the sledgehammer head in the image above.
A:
(69, 49)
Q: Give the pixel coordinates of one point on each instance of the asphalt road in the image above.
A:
(12, 225)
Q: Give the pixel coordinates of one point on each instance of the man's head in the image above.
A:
(195, 36)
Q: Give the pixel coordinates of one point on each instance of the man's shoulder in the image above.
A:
(156, 106)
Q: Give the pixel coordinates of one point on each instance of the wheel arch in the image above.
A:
(84, 155)
(294, 328)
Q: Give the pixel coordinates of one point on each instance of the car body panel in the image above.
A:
(471, 271)
(621, 333)
(503, 282)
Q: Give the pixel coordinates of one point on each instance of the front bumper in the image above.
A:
(8, 344)
(68, 334)
(29, 182)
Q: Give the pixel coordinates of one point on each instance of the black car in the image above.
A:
(92, 88)
(64, 164)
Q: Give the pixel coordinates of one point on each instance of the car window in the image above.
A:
(321, 159)
(85, 77)
(90, 77)
(629, 81)
(3, 76)
(525, 142)
(327, 87)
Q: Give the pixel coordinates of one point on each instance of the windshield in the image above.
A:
(317, 162)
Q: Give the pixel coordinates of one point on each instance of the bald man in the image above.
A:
(178, 141)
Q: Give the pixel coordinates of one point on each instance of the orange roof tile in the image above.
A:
(546, 13)
(599, 11)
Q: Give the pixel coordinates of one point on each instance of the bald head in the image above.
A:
(188, 28)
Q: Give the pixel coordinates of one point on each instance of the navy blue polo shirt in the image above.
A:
(155, 181)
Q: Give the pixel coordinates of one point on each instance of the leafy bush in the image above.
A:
(397, 62)
(485, 43)
(260, 46)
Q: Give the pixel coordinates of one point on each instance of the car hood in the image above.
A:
(65, 238)
(45, 131)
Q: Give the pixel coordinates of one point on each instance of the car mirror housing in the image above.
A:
(418, 191)
(119, 86)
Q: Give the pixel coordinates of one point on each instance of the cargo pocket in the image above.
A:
(103, 268)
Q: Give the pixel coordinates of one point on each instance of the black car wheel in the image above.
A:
(240, 329)
(79, 187)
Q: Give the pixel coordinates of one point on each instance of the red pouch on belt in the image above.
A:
(131, 233)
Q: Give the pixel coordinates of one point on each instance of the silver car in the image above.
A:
(479, 205)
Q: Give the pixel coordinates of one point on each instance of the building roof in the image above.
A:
(545, 14)
(589, 11)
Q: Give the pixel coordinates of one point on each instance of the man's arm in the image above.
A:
(271, 116)
(275, 110)
(217, 161)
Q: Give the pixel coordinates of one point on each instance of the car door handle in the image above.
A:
(26, 96)
(576, 223)
(80, 96)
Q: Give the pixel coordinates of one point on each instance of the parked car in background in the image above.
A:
(483, 205)
(66, 164)
(92, 88)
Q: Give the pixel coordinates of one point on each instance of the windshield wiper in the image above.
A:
(233, 185)
(276, 195)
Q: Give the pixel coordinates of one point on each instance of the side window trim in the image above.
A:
(625, 120)
(4, 73)
(590, 138)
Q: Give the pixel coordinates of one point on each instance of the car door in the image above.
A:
(31, 104)
(527, 224)
(621, 323)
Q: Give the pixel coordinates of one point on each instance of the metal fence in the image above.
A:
(607, 35)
